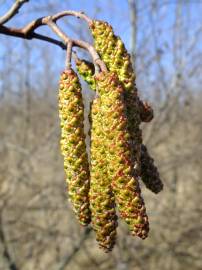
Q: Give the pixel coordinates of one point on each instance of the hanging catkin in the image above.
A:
(113, 53)
(150, 175)
(102, 201)
(120, 166)
(86, 70)
(71, 113)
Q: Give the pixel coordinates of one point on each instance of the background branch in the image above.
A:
(76, 249)
(12, 11)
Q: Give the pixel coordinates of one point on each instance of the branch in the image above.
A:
(6, 253)
(78, 43)
(76, 249)
(12, 11)
(27, 32)
(42, 21)
(14, 32)
(78, 14)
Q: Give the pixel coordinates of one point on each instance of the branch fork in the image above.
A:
(28, 31)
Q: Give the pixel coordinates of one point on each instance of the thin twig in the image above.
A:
(78, 14)
(27, 32)
(78, 43)
(42, 21)
(68, 55)
(75, 57)
(69, 258)
(12, 11)
(6, 253)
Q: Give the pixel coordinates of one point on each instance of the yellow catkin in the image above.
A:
(86, 70)
(102, 201)
(117, 59)
(73, 148)
(119, 156)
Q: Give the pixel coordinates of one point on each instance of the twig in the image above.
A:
(42, 21)
(27, 32)
(14, 32)
(68, 259)
(12, 11)
(75, 42)
(75, 57)
(6, 254)
(68, 55)
(78, 14)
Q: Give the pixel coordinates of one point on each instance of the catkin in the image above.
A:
(102, 201)
(119, 156)
(73, 148)
(150, 175)
(117, 59)
(146, 111)
(86, 70)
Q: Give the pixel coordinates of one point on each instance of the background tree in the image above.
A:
(37, 227)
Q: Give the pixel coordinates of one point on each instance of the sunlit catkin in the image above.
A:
(117, 59)
(71, 113)
(86, 70)
(102, 201)
(120, 166)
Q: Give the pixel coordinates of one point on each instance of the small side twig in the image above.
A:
(12, 11)
(68, 55)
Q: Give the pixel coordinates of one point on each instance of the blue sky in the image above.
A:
(155, 32)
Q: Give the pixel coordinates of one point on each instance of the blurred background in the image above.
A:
(37, 227)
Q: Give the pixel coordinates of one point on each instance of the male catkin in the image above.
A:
(150, 175)
(102, 201)
(120, 166)
(71, 113)
(86, 70)
(117, 59)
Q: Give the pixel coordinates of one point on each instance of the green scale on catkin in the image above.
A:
(102, 201)
(117, 59)
(150, 175)
(73, 148)
(120, 165)
(86, 70)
